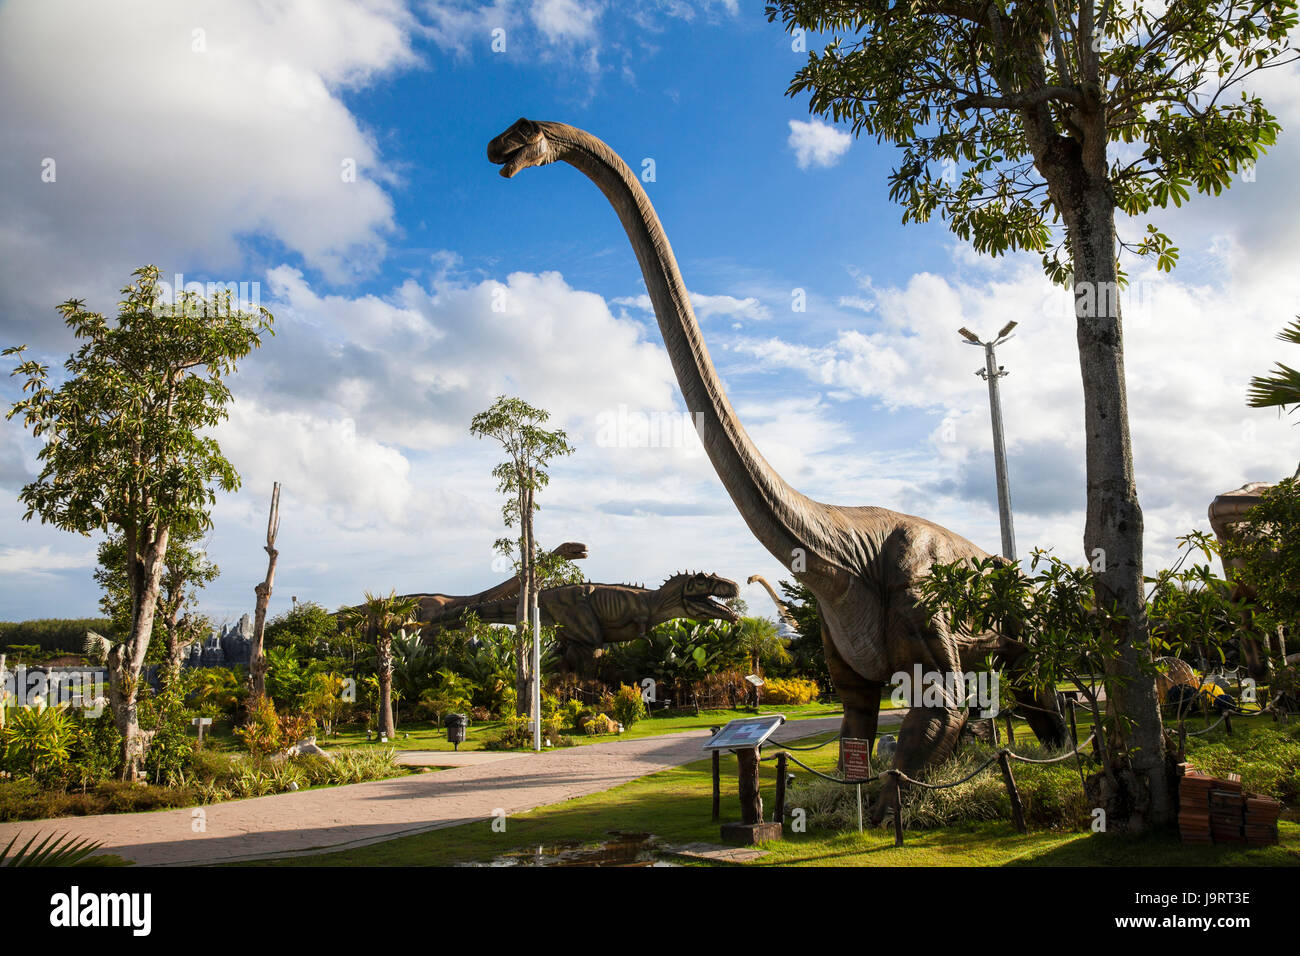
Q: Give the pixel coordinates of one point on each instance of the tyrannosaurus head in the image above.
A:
(696, 596)
(526, 143)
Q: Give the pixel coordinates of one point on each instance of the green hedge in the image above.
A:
(52, 634)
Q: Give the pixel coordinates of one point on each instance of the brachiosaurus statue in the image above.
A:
(435, 605)
(781, 608)
(863, 564)
(593, 615)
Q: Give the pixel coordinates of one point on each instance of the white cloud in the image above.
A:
(42, 560)
(816, 143)
(183, 130)
(566, 21)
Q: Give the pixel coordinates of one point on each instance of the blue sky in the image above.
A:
(208, 138)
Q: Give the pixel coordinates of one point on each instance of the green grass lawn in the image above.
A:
(426, 736)
(675, 806)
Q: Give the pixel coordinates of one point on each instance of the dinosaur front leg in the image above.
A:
(861, 697)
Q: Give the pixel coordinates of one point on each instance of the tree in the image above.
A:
(1281, 387)
(1026, 126)
(517, 426)
(185, 570)
(123, 447)
(380, 619)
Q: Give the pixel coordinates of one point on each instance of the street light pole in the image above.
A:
(991, 372)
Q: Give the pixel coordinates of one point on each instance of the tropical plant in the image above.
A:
(37, 741)
(628, 706)
(54, 850)
(381, 619)
(1034, 126)
(517, 426)
(1281, 387)
(127, 446)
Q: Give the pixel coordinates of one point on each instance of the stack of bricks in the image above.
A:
(1217, 810)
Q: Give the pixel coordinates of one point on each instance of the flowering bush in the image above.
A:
(790, 691)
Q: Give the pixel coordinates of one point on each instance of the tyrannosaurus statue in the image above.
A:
(439, 605)
(863, 564)
(589, 616)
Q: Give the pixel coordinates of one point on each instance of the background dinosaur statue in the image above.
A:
(1226, 513)
(436, 605)
(862, 564)
(590, 616)
(781, 609)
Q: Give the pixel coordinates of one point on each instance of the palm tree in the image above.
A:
(759, 638)
(1280, 388)
(379, 618)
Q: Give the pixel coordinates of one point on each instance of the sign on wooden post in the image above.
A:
(201, 722)
(855, 752)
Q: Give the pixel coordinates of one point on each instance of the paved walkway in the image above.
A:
(337, 818)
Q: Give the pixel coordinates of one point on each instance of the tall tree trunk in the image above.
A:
(256, 653)
(126, 660)
(384, 661)
(521, 613)
(1139, 794)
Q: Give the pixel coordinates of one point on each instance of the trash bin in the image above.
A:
(456, 724)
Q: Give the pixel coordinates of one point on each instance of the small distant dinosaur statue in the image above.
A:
(590, 616)
(439, 605)
(863, 564)
(781, 607)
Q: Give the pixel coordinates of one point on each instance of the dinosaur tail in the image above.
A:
(491, 612)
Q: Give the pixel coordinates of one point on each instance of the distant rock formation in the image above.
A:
(225, 648)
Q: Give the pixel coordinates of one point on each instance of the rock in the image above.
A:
(885, 748)
(307, 748)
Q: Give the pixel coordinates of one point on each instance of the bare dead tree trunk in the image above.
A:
(256, 654)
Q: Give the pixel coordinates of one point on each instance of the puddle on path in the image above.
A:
(622, 849)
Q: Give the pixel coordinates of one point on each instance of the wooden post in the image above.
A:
(751, 800)
(898, 809)
(717, 780)
(1017, 811)
(256, 654)
(1011, 732)
(778, 811)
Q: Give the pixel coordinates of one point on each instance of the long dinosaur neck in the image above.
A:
(779, 516)
(781, 607)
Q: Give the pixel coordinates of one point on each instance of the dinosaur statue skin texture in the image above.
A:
(437, 605)
(590, 616)
(781, 609)
(863, 564)
(1226, 512)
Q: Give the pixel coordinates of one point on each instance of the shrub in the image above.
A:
(515, 735)
(296, 727)
(790, 691)
(37, 741)
(1052, 796)
(599, 724)
(96, 750)
(261, 734)
(479, 715)
(628, 705)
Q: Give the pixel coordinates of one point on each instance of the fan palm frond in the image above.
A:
(54, 850)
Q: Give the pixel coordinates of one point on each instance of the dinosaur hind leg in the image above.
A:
(927, 736)
(1037, 705)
